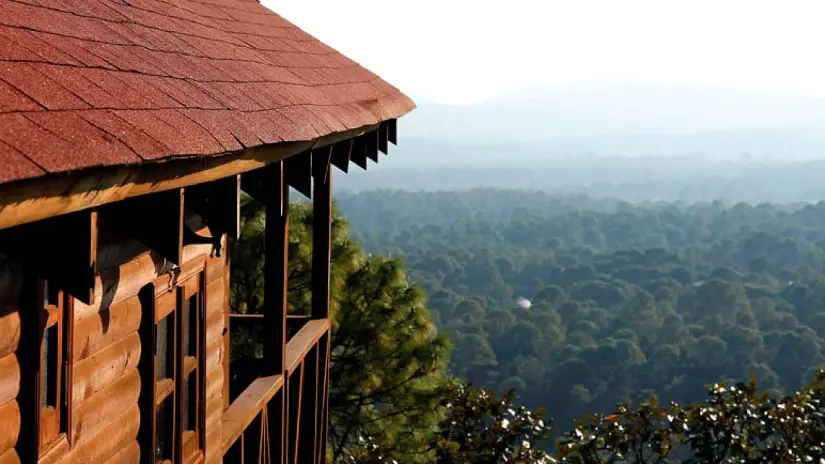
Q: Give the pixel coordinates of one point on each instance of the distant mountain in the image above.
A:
(588, 110)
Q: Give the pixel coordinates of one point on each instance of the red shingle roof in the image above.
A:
(87, 83)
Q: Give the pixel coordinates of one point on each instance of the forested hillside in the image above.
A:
(625, 300)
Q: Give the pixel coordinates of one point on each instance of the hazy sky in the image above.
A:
(460, 51)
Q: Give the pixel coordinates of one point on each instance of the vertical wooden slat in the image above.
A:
(307, 446)
(295, 382)
(323, 410)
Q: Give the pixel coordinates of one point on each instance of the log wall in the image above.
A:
(11, 282)
(105, 353)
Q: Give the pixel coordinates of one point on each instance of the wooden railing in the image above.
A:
(284, 415)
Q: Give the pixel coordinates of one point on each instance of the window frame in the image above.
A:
(192, 367)
(54, 421)
(186, 445)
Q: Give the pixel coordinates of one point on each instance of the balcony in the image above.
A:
(283, 415)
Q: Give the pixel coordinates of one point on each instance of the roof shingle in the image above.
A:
(87, 83)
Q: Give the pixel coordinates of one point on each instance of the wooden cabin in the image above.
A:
(128, 130)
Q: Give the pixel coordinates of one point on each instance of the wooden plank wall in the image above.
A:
(11, 282)
(106, 350)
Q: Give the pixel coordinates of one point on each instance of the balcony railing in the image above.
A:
(283, 415)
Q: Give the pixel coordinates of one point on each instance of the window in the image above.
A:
(179, 375)
(53, 371)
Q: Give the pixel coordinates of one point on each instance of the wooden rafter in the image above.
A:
(341, 154)
(299, 173)
(154, 220)
(371, 139)
(383, 138)
(62, 249)
(392, 131)
(218, 203)
(359, 152)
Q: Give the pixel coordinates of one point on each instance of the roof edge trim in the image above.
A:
(44, 197)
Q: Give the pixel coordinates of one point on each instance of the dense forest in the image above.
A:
(580, 304)
(492, 326)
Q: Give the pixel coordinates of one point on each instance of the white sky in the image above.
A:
(460, 51)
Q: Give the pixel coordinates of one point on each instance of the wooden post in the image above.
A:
(275, 296)
(321, 257)
(270, 185)
(321, 232)
(146, 400)
(28, 352)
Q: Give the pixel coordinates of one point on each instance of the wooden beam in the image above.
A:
(371, 139)
(62, 249)
(53, 195)
(383, 138)
(359, 152)
(299, 173)
(154, 220)
(219, 204)
(341, 153)
(392, 131)
(321, 242)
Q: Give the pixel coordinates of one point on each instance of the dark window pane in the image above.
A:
(190, 322)
(51, 295)
(48, 367)
(163, 440)
(164, 349)
(189, 402)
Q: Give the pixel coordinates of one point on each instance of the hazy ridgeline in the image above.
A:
(687, 178)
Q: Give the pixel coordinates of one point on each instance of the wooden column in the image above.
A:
(275, 298)
(321, 257)
(321, 232)
(28, 352)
